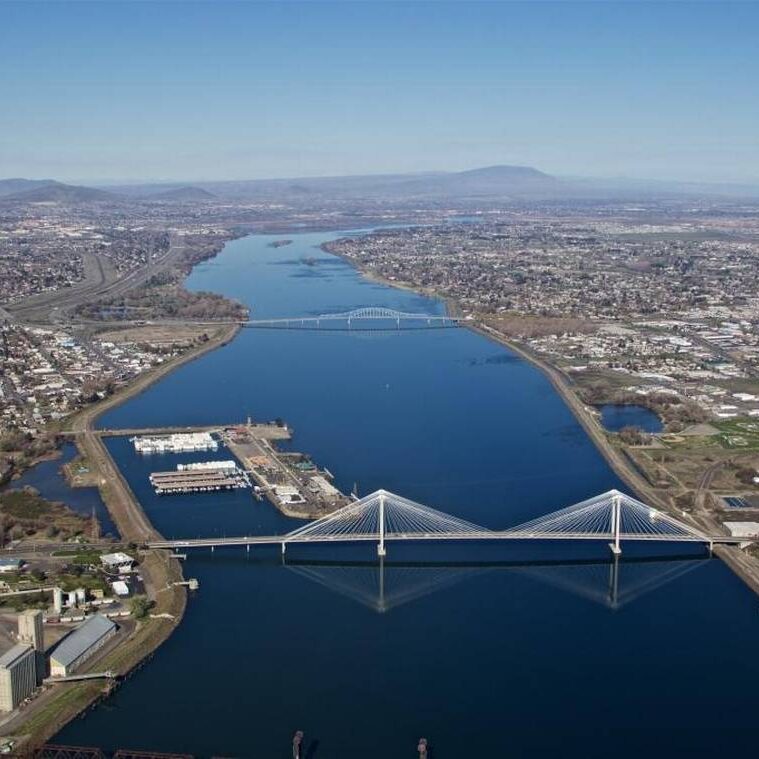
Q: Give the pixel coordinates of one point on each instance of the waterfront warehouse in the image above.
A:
(80, 645)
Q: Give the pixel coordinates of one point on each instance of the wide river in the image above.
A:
(486, 651)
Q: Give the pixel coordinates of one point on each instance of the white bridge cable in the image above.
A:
(595, 517)
(402, 517)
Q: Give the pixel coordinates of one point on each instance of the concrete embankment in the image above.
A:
(160, 572)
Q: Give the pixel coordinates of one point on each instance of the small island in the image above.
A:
(279, 243)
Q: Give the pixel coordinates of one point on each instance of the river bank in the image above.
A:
(53, 710)
(446, 418)
(744, 565)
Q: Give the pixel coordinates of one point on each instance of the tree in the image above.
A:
(140, 607)
(631, 435)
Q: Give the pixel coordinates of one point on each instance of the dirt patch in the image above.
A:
(158, 334)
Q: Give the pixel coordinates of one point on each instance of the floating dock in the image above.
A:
(203, 478)
(181, 442)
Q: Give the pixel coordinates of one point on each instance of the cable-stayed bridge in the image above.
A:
(368, 318)
(383, 517)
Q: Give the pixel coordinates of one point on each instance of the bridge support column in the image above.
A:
(247, 548)
(710, 547)
(284, 548)
(381, 550)
(616, 519)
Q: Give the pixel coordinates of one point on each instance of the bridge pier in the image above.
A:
(284, 548)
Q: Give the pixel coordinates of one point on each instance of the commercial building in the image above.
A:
(18, 676)
(120, 588)
(80, 645)
(119, 562)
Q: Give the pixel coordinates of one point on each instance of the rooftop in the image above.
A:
(75, 644)
(10, 657)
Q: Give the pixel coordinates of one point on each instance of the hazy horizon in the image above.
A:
(105, 93)
(106, 182)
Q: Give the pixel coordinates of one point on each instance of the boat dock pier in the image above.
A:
(204, 480)
(260, 430)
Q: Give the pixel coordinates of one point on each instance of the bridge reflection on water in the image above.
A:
(383, 585)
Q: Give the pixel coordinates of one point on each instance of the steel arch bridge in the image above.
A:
(366, 317)
(383, 517)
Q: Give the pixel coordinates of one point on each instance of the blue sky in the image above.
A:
(190, 90)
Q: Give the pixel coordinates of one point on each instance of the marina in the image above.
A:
(176, 443)
(205, 479)
(288, 479)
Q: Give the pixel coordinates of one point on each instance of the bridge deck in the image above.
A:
(382, 517)
(421, 537)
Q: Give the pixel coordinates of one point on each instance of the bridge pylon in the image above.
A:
(616, 520)
(381, 550)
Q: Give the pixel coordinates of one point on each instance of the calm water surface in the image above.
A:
(47, 478)
(615, 417)
(496, 656)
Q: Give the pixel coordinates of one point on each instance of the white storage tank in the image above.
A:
(58, 600)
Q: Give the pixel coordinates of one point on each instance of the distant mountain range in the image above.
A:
(493, 183)
(182, 193)
(49, 191)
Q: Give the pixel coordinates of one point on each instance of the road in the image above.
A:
(101, 282)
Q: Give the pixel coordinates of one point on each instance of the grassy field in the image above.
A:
(739, 434)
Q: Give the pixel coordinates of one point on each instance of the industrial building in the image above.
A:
(80, 645)
(30, 631)
(18, 676)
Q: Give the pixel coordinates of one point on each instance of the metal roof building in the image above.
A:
(80, 645)
(9, 564)
(18, 676)
(118, 560)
